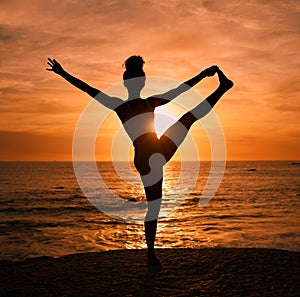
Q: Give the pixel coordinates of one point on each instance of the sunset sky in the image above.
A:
(256, 43)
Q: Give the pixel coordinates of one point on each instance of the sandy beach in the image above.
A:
(184, 272)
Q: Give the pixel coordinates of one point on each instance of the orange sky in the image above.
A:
(256, 43)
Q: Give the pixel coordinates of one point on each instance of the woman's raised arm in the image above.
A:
(164, 98)
(107, 101)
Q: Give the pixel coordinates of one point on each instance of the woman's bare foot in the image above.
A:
(225, 82)
(152, 259)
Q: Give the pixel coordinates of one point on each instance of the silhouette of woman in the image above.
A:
(137, 117)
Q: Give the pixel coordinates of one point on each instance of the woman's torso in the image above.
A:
(137, 117)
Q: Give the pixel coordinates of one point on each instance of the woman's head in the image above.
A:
(134, 67)
(134, 70)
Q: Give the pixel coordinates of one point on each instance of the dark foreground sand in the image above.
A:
(185, 272)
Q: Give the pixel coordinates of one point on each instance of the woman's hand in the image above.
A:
(55, 66)
(211, 71)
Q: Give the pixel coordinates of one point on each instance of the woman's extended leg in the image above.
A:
(175, 135)
(205, 106)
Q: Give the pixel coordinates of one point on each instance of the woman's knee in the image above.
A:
(153, 210)
(154, 192)
(188, 119)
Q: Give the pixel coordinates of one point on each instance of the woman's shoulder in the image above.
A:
(135, 104)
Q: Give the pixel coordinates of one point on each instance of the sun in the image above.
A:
(163, 119)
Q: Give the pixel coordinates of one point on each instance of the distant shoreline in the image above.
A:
(185, 272)
(292, 162)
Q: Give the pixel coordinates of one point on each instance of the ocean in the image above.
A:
(45, 213)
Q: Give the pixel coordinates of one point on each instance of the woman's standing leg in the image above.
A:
(150, 167)
(154, 197)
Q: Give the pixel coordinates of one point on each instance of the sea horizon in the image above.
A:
(208, 160)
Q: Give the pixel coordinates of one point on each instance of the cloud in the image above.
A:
(255, 42)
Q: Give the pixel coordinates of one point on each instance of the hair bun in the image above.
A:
(134, 64)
